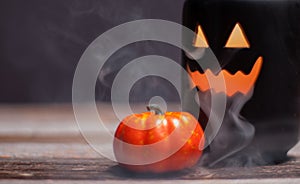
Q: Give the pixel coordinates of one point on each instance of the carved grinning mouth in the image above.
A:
(238, 82)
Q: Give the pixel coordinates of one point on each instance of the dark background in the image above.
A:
(41, 42)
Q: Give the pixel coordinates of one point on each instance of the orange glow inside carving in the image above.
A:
(237, 38)
(200, 39)
(234, 83)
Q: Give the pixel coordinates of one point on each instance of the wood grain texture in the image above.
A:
(44, 143)
(103, 169)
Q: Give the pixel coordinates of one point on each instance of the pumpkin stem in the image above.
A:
(155, 108)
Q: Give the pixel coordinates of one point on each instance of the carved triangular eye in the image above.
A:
(200, 39)
(237, 38)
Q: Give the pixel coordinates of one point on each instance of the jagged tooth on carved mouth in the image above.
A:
(257, 65)
(239, 82)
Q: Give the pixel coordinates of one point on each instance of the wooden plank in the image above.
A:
(44, 143)
(103, 169)
(242, 181)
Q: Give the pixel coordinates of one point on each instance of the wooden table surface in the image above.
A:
(43, 143)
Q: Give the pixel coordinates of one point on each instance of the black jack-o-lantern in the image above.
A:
(257, 44)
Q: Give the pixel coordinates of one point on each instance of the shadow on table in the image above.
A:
(124, 173)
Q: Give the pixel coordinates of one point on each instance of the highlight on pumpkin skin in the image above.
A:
(150, 120)
(238, 82)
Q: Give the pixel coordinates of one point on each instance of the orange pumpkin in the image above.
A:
(154, 127)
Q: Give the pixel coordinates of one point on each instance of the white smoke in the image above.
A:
(235, 133)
